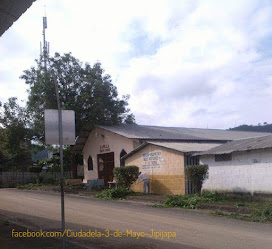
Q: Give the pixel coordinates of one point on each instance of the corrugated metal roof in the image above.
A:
(240, 145)
(178, 133)
(159, 133)
(181, 147)
(10, 11)
(186, 147)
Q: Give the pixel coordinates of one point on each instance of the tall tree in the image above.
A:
(83, 88)
(14, 136)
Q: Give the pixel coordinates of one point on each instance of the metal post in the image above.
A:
(61, 162)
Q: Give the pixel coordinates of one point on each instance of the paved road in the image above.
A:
(193, 229)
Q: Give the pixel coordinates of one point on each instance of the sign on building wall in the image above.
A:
(104, 148)
(151, 160)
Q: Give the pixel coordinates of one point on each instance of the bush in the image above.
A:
(35, 169)
(215, 196)
(115, 193)
(197, 174)
(184, 201)
(194, 201)
(126, 176)
(45, 178)
(263, 215)
(12, 183)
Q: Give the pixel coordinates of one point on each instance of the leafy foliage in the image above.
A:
(55, 160)
(83, 88)
(265, 127)
(35, 169)
(45, 178)
(115, 193)
(261, 214)
(194, 201)
(15, 136)
(197, 174)
(126, 176)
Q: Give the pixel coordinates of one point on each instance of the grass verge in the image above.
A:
(194, 201)
(263, 215)
(116, 194)
(31, 186)
(232, 206)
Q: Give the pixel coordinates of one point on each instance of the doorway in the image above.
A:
(105, 167)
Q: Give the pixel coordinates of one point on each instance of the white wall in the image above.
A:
(247, 172)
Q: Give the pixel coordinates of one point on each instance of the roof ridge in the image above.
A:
(182, 127)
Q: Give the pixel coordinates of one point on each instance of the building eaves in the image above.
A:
(10, 11)
(264, 142)
(183, 147)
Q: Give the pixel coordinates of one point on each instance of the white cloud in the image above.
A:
(184, 63)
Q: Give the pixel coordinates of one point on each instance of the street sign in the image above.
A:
(52, 127)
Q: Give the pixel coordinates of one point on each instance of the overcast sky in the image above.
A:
(184, 63)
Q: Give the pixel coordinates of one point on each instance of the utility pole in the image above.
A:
(45, 55)
(61, 160)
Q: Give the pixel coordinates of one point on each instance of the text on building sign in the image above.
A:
(151, 160)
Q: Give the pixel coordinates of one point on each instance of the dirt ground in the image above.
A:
(193, 229)
(9, 242)
(251, 203)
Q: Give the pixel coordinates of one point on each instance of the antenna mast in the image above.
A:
(45, 46)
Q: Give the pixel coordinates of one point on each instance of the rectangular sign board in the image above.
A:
(151, 160)
(52, 127)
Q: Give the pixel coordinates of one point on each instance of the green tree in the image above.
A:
(83, 88)
(197, 174)
(14, 136)
(130, 119)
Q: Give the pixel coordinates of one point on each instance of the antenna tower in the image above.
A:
(44, 46)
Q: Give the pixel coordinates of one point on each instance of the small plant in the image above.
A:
(240, 204)
(157, 206)
(30, 186)
(126, 176)
(194, 201)
(45, 178)
(212, 196)
(115, 193)
(197, 174)
(184, 201)
(263, 215)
